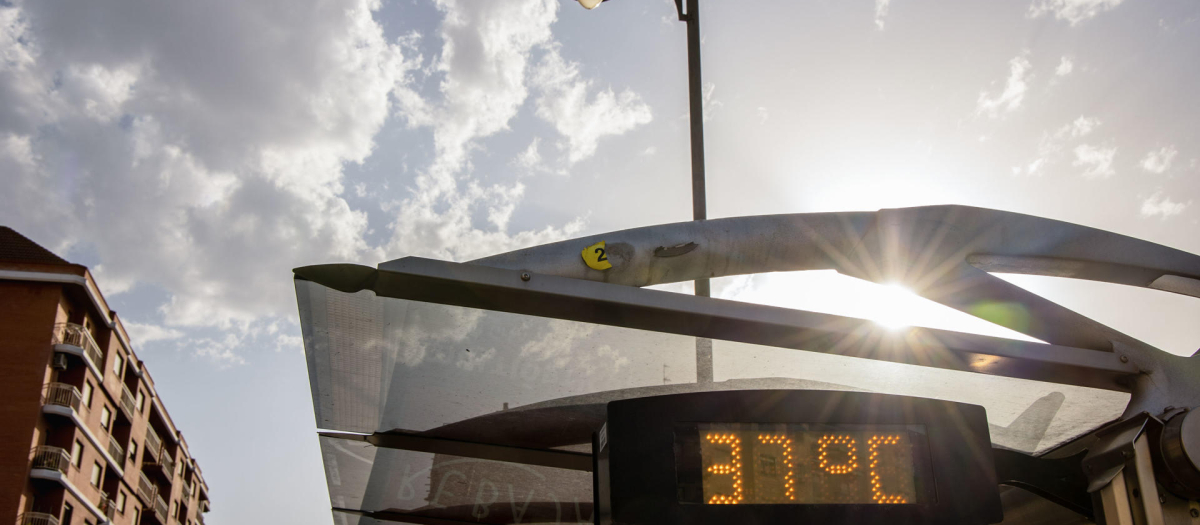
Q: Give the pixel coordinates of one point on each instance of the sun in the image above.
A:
(893, 306)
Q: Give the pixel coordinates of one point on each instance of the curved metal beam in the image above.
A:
(938, 251)
(942, 252)
(888, 244)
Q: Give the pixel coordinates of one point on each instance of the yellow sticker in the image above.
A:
(596, 257)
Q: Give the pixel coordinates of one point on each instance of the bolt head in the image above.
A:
(525, 276)
(1124, 359)
(1195, 513)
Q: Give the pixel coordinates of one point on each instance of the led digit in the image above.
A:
(837, 468)
(789, 478)
(877, 493)
(805, 464)
(734, 468)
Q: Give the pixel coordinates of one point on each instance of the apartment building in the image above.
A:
(84, 437)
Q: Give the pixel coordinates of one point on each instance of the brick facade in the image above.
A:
(85, 438)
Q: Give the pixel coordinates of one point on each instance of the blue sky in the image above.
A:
(193, 153)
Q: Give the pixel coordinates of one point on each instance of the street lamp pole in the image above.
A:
(689, 11)
(696, 104)
(704, 364)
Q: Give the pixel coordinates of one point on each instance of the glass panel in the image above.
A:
(1024, 415)
(380, 364)
(383, 364)
(450, 487)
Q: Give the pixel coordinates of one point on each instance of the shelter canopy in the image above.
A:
(380, 364)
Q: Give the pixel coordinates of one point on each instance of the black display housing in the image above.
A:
(637, 450)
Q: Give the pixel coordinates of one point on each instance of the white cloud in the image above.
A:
(1080, 127)
(98, 91)
(1010, 98)
(1164, 207)
(486, 62)
(204, 162)
(1065, 67)
(199, 149)
(530, 158)
(1073, 11)
(762, 115)
(471, 359)
(220, 351)
(557, 341)
(289, 342)
(881, 9)
(1051, 145)
(1034, 167)
(607, 352)
(485, 59)
(581, 119)
(143, 333)
(1159, 161)
(1096, 160)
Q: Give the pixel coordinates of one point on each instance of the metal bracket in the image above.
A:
(1058, 480)
(1113, 449)
(1127, 496)
(679, 8)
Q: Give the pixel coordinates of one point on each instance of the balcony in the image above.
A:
(37, 518)
(160, 509)
(146, 490)
(63, 395)
(127, 405)
(73, 335)
(188, 488)
(116, 451)
(162, 464)
(63, 400)
(51, 458)
(153, 443)
(107, 506)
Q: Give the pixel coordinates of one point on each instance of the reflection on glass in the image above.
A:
(379, 364)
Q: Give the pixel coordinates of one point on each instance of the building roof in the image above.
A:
(15, 247)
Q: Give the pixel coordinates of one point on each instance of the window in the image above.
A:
(132, 451)
(68, 513)
(87, 394)
(77, 453)
(137, 514)
(105, 417)
(97, 473)
(119, 365)
(140, 401)
(121, 502)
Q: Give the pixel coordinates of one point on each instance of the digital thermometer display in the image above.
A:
(794, 456)
(805, 464)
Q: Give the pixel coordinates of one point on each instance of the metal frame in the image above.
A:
(511, 291)
(416, 442)
(943, 253)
